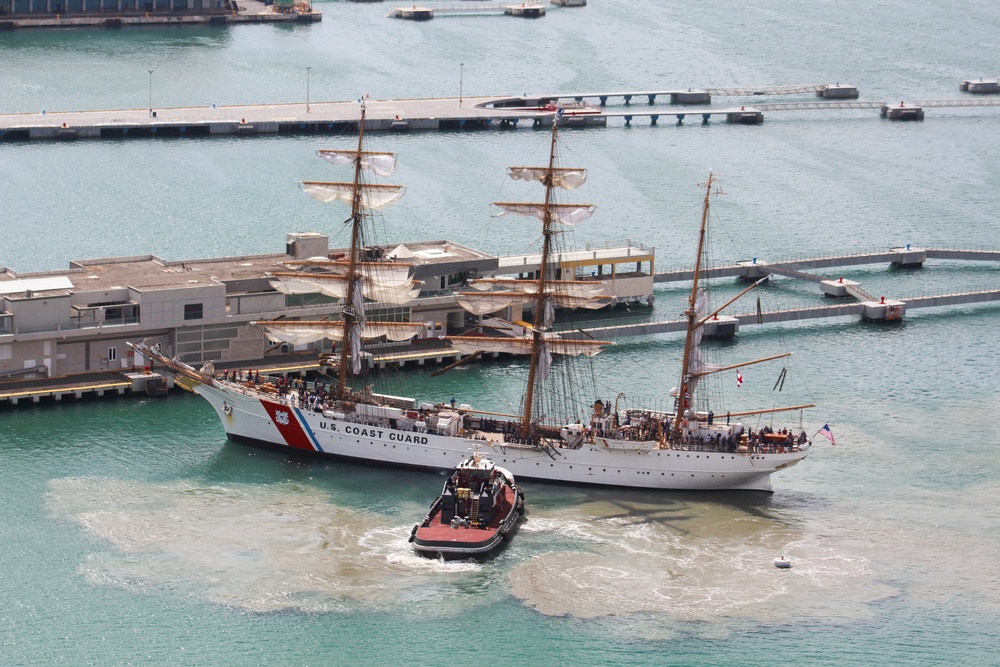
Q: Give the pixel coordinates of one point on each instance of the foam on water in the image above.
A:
(254, 547)
(715, 563)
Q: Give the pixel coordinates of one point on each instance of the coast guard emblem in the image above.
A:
(281, 417)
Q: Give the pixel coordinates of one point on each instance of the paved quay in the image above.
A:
(445, 113)
(247, 11)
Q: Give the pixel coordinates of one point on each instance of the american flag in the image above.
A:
(739, 379)
(827, 433)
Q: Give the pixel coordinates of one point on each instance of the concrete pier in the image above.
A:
(838, 92)
(903, 112)
(980, 86)
(836, 289)
(247, 12)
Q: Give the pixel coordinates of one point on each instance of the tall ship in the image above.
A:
(560, 432)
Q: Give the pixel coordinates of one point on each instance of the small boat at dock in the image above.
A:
(479, 507)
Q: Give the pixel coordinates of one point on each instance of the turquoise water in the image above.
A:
(132, 532)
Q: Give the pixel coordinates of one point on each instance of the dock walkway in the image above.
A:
(866, 305)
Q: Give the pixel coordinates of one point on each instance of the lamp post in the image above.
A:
(150, 93)
(461, 74)
(308, 75)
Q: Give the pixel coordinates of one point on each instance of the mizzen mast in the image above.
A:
(692, 315)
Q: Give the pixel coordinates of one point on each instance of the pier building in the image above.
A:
(58, 323)
(63, 333)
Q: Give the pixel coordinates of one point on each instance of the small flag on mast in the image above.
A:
(827, 433)
(739, 379)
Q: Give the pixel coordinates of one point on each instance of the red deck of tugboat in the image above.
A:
(443, 532)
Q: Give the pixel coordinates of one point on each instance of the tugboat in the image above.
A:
(478, 508)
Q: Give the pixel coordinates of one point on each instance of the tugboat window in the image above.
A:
(192, 311)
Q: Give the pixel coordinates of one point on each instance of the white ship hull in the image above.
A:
(262, 419)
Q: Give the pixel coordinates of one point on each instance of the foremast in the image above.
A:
(352, 280)
(348, 313)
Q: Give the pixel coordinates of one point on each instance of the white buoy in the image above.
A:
(782, 563)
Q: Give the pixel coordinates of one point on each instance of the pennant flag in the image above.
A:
(827, 433)
(739, 379)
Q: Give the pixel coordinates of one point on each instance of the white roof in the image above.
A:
(35, 284)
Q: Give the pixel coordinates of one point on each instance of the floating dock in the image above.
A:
(980, 86)
(532, 10)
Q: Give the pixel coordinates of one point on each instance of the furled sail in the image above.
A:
(697, 366)
(335, 286)
(289, 284)
(374, 197)
(565, 214)
(578, 288)
(301, 332)
(397, 295)
(591, 302)
(562, 177)
(384, 274)
(470, 344)
(481, 303)
(380, 162)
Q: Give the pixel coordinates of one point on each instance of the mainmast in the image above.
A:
(544, 291)
(539, 318)
(692, 313)
(349, 313)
